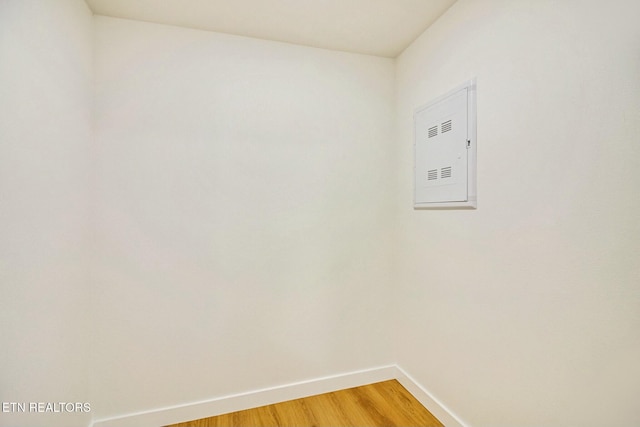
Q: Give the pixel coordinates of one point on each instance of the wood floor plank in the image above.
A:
(384, 404)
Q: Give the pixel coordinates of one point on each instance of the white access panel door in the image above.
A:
(443, 152)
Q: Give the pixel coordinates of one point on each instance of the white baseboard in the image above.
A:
(428, 400)
(237, 402)
(252, 399)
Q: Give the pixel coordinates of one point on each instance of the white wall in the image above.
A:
(45, 128)
(526, 312)
(243, 219)
(243, 231)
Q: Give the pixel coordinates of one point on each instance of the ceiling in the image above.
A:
(374, 27)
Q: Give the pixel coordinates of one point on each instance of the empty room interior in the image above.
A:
(210, 205)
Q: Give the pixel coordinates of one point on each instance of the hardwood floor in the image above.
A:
(384, 404)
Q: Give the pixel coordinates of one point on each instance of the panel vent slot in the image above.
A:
(445, 172)
(446, 126)
(433, 131)
(432, 174)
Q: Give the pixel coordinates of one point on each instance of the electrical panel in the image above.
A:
(445, 150)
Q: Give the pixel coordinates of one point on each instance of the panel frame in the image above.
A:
(471, 200)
